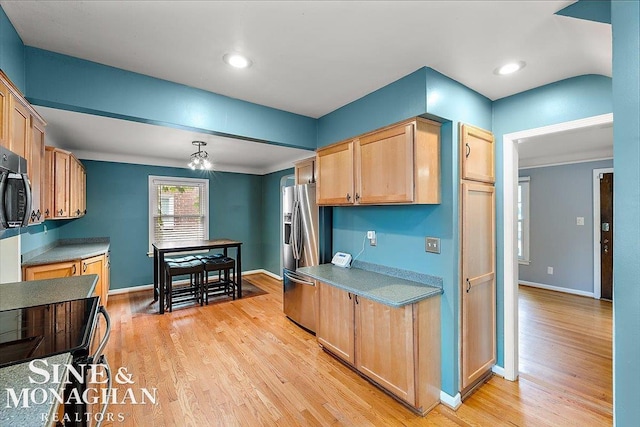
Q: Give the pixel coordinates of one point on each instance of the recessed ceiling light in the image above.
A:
(510, 68)
(236, 60)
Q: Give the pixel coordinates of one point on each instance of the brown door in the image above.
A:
(606, 236)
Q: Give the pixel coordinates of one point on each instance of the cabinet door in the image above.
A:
(49, 182)
(336, 321)
(4, 115)
(334, 171)
(305, 171)
(83, 191)
(477, 154)
(478, 281)
(385, 346)
(95, 265)
(52, 271)
(61, 180)
(19, 128)
(384, 164)
(36, 169)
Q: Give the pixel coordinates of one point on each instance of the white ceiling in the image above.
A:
(313, 57)
(103, 138)
(581, 145)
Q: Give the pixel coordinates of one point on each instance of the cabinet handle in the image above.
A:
(357, 302)
(33, 215)
(38, 214)
(73, 272)
(78, 212)
(85, 211)
(46, 212)
(468, 150)
(348, 197)
(468, 285)
(349, 293)
(60, 212)
(357, 197)
(84, 267)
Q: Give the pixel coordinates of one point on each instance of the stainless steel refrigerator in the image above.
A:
(305, 242)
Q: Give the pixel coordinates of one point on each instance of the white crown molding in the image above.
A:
(162, 162)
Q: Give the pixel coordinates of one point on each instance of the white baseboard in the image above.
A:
(498, 370)
(556, 288)
(452, 402)
(150, 287)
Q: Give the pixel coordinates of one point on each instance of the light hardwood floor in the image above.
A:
(243, 363)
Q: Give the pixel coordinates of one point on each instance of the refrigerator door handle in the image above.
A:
(297, 231)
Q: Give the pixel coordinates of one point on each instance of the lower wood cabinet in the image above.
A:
(94, 265)
(397, 348)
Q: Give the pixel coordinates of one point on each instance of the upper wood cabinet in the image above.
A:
(477, 154)
(22, 132)
(398, 164)
(65, 196)
(305, 171)
(334, 174)
(37, 171)
(4, 114)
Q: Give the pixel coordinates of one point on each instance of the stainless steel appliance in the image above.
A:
(15, 191)
(305, 242)
(65, 327)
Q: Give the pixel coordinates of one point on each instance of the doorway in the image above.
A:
(603, 233)
(510, 242)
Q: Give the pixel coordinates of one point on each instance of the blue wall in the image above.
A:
(11, 52)
(626, 256)
(559, 194)
(271, 238)
(69, 83)
(401, 230)
(118, 208)
(566, 100)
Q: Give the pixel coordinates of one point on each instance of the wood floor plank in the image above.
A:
(243, 363)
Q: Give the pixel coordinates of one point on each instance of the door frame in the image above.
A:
(509, 212)
(597, 285)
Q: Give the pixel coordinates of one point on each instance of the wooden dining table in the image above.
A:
(163, 248)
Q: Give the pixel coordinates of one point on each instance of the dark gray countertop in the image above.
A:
(66, 250)
(37, 292)
(24, 294)
(376, 286)
(16, 378)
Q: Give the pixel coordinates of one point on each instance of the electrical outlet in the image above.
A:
(432, 244)
(371, 235)
(549, 270)
(580, 220)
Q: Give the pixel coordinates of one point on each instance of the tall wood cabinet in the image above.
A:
(478, 282)
(22, 131)
(398, 164)
(398, 348)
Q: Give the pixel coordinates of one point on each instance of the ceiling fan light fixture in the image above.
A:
(510, 68)
(236, 60)
(200, 159)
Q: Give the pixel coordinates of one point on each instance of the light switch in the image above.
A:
(549, 270)
(580, 220)
(432, 244)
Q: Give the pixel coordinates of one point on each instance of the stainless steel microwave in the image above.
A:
(15, 190)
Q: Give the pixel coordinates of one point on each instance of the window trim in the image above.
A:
(526, 221)
(155, 180)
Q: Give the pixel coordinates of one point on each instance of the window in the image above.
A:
(178, 209)
(523, 220)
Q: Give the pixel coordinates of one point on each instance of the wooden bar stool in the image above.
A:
(225, 285)
(184, 293)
